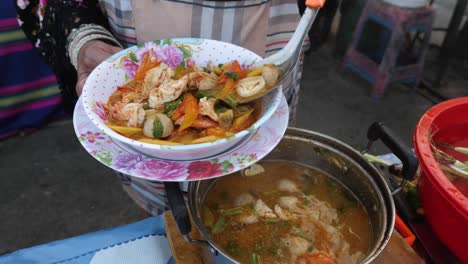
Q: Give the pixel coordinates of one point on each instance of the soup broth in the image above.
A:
(289, 213)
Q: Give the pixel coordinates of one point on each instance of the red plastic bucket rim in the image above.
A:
(428, 163)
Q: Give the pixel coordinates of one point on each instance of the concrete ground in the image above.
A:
(51, 188)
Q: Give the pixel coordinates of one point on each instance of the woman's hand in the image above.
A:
(89, 56)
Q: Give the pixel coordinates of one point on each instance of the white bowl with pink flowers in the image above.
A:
(121, 67)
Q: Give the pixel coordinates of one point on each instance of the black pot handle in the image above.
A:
(179, 210)
(178, 207)
(380, 131)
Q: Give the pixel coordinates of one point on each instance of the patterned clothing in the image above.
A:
(246, 23)
(29, 94)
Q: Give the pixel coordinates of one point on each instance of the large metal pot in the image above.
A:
(331, 156)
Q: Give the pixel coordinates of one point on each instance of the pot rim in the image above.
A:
(383, 188)
(427, 161)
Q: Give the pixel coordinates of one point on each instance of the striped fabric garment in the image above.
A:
(119, 14)
(29, 93)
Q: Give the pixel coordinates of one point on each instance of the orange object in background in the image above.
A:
(315, 3)
(404, 230)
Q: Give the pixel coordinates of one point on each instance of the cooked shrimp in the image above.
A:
(133, 113)
(206, 108)
(247, 217)
(167, 92)
(286, 185)
(133, 97)
(270, 74)
(290, 203)
(263, 210)
(297, 245)
(283, 214)
(254, 169)
(333, 238)
(243, 199)
(325, 211)
(156, 76)
(202, 80)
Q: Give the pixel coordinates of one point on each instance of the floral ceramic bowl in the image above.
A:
(121, 67)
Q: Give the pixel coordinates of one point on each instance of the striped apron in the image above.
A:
(262, 26)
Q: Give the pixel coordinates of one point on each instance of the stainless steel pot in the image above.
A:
(331, 156)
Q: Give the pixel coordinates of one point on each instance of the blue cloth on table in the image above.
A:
(81, 249)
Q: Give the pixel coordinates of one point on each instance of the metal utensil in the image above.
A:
(286, 59)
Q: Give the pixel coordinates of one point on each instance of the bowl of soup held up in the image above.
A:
(313, 199)
(180, 99)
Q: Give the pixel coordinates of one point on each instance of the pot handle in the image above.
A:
(179, 210)
(410, 163)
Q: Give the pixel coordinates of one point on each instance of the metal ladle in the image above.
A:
(286, 59)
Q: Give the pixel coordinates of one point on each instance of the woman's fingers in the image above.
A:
(81, 81)
(90, 56)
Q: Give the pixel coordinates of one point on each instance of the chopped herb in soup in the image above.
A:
(286, 213)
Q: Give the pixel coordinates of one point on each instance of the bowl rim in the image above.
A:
(275, 102)
(426, 157)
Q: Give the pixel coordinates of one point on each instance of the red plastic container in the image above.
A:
(445, 206)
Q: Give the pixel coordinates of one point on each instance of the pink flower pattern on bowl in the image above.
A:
(130, 67)
(162, 170)
(173, 55)
(168, 53)
(100, 111)
(203, 169)
(92, 137)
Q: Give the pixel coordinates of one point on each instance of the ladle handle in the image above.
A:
(178, 207)
(410, 163)
(315, 3)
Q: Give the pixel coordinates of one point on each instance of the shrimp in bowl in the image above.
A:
(180, 109)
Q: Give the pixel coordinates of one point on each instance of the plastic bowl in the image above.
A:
(115, 71)
(445, 206)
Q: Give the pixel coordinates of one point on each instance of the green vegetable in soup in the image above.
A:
(170, 107)
(232, 211)
(254, 258)
(232, 75)
(219, 226)
(270, 220)
(231, 101)
(158, 128)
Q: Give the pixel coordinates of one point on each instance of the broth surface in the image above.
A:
(290, 213)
